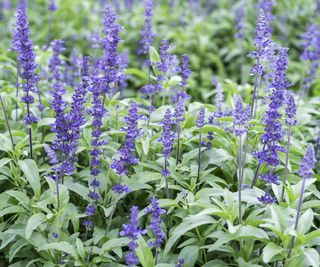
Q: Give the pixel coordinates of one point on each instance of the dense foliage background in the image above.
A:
(199, 215)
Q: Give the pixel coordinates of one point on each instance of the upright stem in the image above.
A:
(149, 81)
(286, 166)
(58, 194)
(17, 88)
(113, 209)
(240, 178)
(255, 175)
(245, 152)
(30, 128)
(152, 97)
(7, 121)
(257, 170)
(317, 145)
(178, 144)
(156, 257)
(256, 98)
(199, 152)
(255, 88)
(167, 182)
(297, 216)
(241, 62)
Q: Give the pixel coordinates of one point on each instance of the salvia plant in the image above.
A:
(138, 133)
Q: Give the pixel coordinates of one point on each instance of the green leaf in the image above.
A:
(11, 209)
(217, 156)
(270, 250)
(114, 243)
(78, 188)
(145, 144)
(31, 172)
(154, 56)
(45, 121)
(61, 246)
(16, 247)
(4, 161)
(144, 253)
(187, 224)
(243, 263)
(190, 255)
(80, 248)
(33, 222)
(215, 263)
(137, 72)
(312, 257)
(305, 221)
(249, 231)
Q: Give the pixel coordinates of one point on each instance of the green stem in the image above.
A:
(286, 164)
(297, 217)
(7, 121)
(240, 178)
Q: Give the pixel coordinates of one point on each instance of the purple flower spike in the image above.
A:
(179, 111)
(241, 117)
(291, 110)
(262, 42)
(164, 56)
(147, 35)
(200, 119)
(26, 57)
(185, 71)
(127, 158)
(307, 163)
(111, 59)
(240, 22)
(273, 130)
(55, 62)
(167, 137)
(51, 154)
(133, 231)
(155, 225)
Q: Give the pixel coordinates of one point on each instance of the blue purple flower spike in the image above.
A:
(306, 172)
(241, 117)
(307, 163)
(219, 99)
(155, 225)
(200, 119)
(311, 53)
(147, 34)
(185, 73)
(291, 110)
(110, 43)
(262, 43)
(273, 130)
(97, 111)
(126, 156)
(240, 22)
(167, 139)
(22, 44)
(132, 231)
(56, 63)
